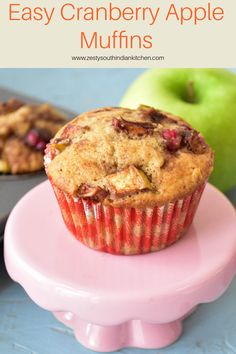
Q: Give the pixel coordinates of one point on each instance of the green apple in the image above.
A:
(206, 98)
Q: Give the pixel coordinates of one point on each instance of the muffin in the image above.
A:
(128, 181)
(24, 132)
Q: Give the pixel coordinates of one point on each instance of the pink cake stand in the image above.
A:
(110, 301)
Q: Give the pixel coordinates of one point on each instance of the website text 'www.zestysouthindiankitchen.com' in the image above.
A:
(98, 58)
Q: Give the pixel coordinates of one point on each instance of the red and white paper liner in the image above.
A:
(127, 231)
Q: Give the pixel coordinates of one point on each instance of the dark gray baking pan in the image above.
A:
(12, 188)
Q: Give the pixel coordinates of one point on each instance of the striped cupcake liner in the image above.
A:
(127, 231)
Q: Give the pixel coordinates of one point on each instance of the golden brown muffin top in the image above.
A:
(128, 158)
(24, 132)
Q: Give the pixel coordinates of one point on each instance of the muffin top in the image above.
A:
(24, 132)
(128, 158)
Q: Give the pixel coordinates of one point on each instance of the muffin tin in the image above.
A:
(12, 188)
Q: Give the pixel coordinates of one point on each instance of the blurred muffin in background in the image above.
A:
(24, 132)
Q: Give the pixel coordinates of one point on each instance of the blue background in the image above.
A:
(24, 327)
(76, 89)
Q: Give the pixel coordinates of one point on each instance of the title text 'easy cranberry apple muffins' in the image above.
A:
(128, 181)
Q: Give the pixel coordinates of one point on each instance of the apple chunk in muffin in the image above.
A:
(128, 181)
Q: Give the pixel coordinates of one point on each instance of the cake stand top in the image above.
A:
(60, 274)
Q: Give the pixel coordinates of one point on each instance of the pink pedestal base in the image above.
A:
(135, 333)
(113, 302)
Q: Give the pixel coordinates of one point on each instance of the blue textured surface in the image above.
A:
(27, 329)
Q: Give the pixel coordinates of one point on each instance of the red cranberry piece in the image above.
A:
(173, 139)
(169, 134)
(41, 145)
(32, 138)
